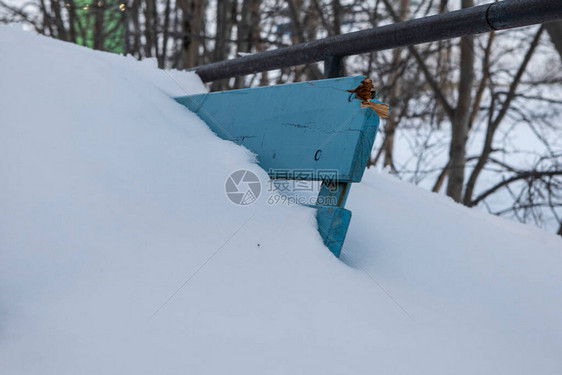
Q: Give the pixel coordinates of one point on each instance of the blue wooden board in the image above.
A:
(314, 125)
(332, 225)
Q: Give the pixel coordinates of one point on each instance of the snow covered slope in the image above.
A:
(120, 253)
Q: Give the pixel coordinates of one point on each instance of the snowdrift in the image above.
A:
(121, 254)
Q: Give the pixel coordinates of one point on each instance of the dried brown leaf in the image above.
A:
(365, 92)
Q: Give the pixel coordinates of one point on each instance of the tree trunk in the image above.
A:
(244, 35)
(336, 9)
(192, 25)
(164, 56)
(459, 126)
(392, 123)
(61, 31)
(71, 11)
(133, 14)
(148, 27)
(98, 25)
(297, 36)
(220, 52)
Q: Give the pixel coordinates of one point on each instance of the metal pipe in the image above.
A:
(502, 15)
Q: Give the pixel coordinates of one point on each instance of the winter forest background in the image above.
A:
(478, 119)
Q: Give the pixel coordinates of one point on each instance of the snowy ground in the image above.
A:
(120, 253)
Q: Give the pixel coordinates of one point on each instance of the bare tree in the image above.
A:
(485, 89)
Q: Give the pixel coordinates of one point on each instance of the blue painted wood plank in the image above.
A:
(314, 125)
(308, 126)
(332, 225)
(333, 193)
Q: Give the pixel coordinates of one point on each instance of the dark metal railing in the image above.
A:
(501, 15)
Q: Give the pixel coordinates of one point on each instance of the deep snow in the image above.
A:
(120, 253)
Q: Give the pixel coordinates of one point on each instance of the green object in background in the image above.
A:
(107, 16)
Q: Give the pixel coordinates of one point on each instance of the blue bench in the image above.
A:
(316, 127)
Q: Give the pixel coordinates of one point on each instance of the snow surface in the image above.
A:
(120, 253)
